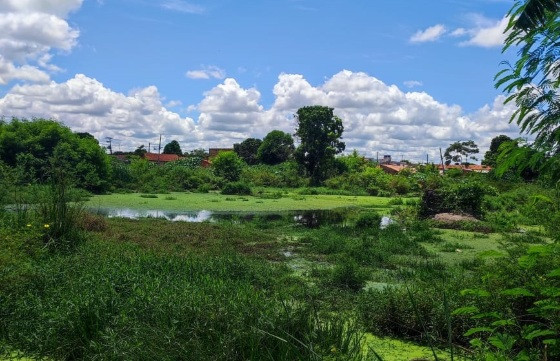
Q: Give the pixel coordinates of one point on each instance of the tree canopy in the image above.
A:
(32, 146)
(460, 152)
(276, 147)
(491, 155)
(248, 149)
(319, 131)
(172, 147)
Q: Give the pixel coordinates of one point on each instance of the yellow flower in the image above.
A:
(28, 224)
(46, 226)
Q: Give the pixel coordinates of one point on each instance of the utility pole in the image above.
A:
(159, 149)
(427, 159)
(149, 146)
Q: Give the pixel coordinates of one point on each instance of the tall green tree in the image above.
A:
(319, 131)
(491, 155)
(248, 149)
(277, 147)
(172, 147)
(460, 152)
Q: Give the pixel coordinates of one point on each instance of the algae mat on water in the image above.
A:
(219, 202)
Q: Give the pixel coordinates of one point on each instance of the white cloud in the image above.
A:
(182, 6)
(85, 105)
(487, 35)
(377, 117)
(207, 72)
(29, 31)
(430, 34)
(412, 83)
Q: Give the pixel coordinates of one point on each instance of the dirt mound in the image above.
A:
(452, 217)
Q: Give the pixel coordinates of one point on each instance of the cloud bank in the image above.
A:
(377, 117)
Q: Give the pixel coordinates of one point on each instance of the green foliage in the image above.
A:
(227, 165)
(29, 145)
(464, 196)
(248, 149)
(368, 220)
(319, 132)
(490, 157)
(223, 307)
(532, 81)
(238, 188)
(173, 147)
(515, 305)
(281, 175)
(276, 147)
(460, 152)
(348, 275)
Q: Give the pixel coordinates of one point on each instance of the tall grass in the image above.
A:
(109, 301)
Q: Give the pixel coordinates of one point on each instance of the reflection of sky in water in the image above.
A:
(306, 218)
(199, 216)
(385, 221)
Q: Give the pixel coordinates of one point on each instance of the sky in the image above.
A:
(405, 76)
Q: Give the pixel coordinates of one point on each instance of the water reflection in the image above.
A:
(309, 219)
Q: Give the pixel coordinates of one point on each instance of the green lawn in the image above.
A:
(219, 202)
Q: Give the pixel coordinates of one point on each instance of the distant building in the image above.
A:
(161, 158)
(212, 152)
(392, 168)
(386, 159)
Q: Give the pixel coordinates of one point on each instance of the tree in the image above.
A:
(140, 151)
(491, 155)
(319, 131)
(173, 147)
(277, 147)
(248, 149)
(460, 152)
(533, 81)
(228, 165)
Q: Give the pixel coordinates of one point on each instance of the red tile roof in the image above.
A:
(163, 158)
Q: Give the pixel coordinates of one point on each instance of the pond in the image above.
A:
(311, 219)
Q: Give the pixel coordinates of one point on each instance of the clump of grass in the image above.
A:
(170, 198)
(453, 247)
(149, 195)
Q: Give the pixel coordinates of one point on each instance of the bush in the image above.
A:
(369, 220)
(455, 197)
(348, 275)
(228, 165)
(236, 188)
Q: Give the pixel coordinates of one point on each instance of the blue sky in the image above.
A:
(405, 76)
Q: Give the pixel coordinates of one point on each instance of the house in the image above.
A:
(212, 152)
(392, 168)
(161, 158)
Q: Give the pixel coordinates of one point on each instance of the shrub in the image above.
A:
(461, 197)
(348, 275)
(228, 165)
(369, 220)
(237, 188)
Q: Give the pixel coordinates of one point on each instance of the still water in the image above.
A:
(312, 219)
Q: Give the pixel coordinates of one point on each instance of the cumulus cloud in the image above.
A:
(207, 72)
(86, 105)
(430, 34)
(412, 83)
(29, 31)
(377, 117)
(486, 34)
